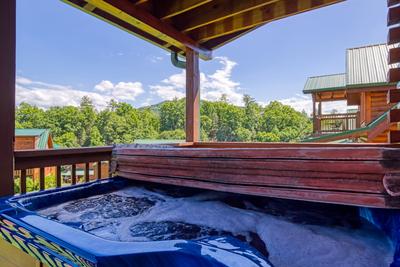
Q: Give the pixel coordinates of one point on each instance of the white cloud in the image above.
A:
(304, 103)
(213, 86)
(46, 95)
(126, 91)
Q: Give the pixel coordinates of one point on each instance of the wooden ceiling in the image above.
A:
(201, 25)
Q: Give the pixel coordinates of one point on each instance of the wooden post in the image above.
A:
(7, 92)
(313, 114)
(192, 96)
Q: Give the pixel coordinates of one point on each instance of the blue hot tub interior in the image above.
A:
(118, 222)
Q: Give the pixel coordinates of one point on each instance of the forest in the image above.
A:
(122, 123)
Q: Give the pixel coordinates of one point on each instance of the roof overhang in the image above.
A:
(200, 25)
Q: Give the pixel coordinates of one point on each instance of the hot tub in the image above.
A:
(294, 233)
(59, 244)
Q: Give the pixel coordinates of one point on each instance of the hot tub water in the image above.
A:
(140, 214)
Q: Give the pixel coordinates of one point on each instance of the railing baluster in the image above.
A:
(87, 177)
(23, 182)
(73, 174)
(99, 170)
(42, 179)
(58, 176)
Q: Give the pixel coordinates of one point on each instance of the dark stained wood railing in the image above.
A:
(28, 160)
(335, 123)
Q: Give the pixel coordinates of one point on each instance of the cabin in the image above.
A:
(363, 88)
(361, 175)
(33, 139)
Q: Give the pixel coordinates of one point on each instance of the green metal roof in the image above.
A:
(325, 83)
(365, 66)
(43, 135)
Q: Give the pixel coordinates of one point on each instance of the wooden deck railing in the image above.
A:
(28, 160)
(335, 123)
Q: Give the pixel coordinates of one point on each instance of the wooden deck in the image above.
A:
(361, 175)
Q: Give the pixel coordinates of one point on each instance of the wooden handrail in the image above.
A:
(27, 159)
(40, 159)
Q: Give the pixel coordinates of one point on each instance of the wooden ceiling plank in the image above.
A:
(256, 17)
(124, 10)
(169, 8)
(394, 55)
(393, 16)
(393, 2)
(394, 35)
(394, 75)
(217, 11)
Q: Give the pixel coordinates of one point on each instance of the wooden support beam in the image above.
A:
(393, 96)
(394, 136)
(393, 16)
(87, 174)
(144, 21)
(394, 55)
(42, 182)
(99, 170)
(169, 8)
(255, 17)
(192, 96)
(394, 75)
(58, 176)
(393, 35)
(23, 182)
(73, 174)
(7, 92)
(217, 11)
(392, 2)
(394, 116)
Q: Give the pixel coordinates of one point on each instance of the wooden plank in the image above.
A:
(393, 15)
(7, 100)
(42, 184)
(58, 177)
(394, 75)
(393, 96)
(334, 197)
(87, 175)
(394, 136)
(291, 164)
(287, 153)
(394, 116)
(284, 145)
(192, 96)
(11, 256)
(343, 184)
(392, 2)
(394, 35)
(254, 18)
(73, 174)
(217, 11)
(23, 182)
(394, 55)
(250, 168)
(169, 8)
(143, 20)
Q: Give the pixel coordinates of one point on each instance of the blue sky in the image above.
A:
(63, 54)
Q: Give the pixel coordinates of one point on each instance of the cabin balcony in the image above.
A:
(336, 123)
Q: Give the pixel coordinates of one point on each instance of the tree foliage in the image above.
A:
(122, 123)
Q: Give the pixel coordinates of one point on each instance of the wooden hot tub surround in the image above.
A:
(365, 175)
